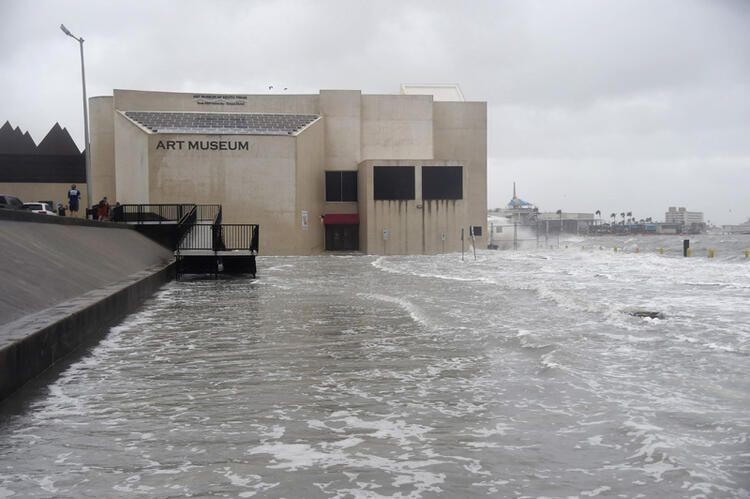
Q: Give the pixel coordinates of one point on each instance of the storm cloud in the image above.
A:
(610, 105)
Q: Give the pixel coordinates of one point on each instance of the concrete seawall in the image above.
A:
(64, 283)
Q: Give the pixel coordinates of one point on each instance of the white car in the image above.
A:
(41, 208)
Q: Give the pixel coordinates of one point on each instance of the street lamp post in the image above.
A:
(87, 144)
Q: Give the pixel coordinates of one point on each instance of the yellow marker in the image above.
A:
(747, 253)
(690, 252)
(637, 249)
(661, 251)
(711, 253)
(615, 249)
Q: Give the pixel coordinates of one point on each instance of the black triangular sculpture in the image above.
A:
(7, 139)
(58, 141)
(56, 159)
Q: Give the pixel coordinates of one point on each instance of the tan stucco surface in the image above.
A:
(102, 148)
(414, 226)
(461, 132)
(131, 162)
(396, 127)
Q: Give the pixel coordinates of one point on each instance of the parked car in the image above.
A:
(10, 202)
(41, 208)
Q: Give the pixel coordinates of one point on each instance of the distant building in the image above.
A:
(524, 213)
(743, 228)
(689, 221)
(571, 223)
(517, 210)
(682, 216)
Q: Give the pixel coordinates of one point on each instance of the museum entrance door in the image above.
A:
(342, 231)
(341, 237)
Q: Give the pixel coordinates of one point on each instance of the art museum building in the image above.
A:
(336, 170)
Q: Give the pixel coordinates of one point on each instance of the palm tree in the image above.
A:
(630, 217)
(613, 216)
(599, 214)
(623, 217)
(559, 212)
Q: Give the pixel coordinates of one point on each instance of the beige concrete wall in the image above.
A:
(57, 193)
(253, 186)
(342, 110)
(131, 162)
(137, 100)
(460, 132)
(415, 226)
(310, 180)
(281, 176)
(397, 127)
(101, 114)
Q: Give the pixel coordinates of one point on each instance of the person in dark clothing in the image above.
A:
(103, 209)
(74, 196)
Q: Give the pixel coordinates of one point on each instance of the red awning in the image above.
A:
(341, 219)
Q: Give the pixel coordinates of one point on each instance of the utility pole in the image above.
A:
(86, 145)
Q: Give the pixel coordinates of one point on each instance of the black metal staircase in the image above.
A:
(196, 234)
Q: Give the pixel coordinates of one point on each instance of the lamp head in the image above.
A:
(65, 30)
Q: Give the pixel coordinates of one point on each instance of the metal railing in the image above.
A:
(199, 237)
(239, 236)
(190, 233)
(163, 213)
(226, 237)
(150, 213)
(208, 212)
(185, 224)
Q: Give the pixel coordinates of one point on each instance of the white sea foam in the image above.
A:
(410, 308)
(536, 381)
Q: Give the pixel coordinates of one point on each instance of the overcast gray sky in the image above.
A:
(613, 105)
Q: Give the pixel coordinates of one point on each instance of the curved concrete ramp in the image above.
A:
(43, 264)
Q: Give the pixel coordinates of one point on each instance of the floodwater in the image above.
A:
(518, 374)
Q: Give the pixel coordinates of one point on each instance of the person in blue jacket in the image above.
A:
(74, 196)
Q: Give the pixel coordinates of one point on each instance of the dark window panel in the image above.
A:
(393, 182)
(442, 182)
(341, 186)
(333, 186)
(348, 186)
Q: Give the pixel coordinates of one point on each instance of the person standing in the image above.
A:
(74, 197)
(103, 211)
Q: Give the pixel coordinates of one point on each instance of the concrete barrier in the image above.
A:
(30, 345)
(65, 282)
(44, 263)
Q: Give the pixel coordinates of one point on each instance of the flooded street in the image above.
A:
(518, 374)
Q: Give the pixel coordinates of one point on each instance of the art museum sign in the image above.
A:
(203, 145)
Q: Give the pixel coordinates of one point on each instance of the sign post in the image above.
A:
(462, 244)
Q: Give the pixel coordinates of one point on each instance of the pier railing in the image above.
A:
(209, 212)
(150, 213)
(190, 226)
(222, 237)
(185, 224)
